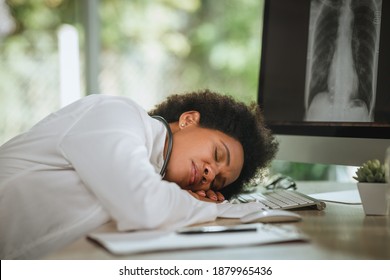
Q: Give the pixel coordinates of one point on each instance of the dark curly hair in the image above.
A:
(244, 123)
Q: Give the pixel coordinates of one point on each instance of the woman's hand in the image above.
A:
(209, 196)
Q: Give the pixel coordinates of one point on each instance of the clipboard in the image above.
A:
(127, 243)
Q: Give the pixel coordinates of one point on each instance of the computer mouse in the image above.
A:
(271, 216)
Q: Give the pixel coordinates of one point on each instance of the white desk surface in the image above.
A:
(340, 231)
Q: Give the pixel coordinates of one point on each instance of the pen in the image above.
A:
(216, 229)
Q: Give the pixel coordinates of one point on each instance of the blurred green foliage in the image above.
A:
(157, 47)
(199, 44)
(302, 171)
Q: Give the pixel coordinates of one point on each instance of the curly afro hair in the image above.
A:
(244, 123)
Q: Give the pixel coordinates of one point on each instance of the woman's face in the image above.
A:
(202, 158)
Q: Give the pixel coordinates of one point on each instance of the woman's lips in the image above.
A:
(193, 174)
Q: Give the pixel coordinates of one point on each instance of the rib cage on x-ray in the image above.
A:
(343, 52)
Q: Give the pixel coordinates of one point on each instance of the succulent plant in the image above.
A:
(371, 171)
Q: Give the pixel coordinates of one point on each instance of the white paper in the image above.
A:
(151, 241)
(345, 197)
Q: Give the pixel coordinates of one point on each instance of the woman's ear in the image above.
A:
(189, 118)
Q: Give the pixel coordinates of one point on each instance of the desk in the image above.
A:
(338, 232)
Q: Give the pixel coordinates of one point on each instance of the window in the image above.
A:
(30, 36)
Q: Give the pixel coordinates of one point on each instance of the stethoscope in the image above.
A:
(170, 143)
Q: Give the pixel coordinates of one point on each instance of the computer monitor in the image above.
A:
(324, 83)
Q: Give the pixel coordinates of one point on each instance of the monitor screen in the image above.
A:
(323, 84)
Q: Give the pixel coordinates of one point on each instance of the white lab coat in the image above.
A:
(95, 160)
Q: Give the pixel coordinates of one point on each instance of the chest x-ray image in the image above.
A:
(342, 60)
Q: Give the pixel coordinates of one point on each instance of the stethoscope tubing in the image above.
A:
(170, 144)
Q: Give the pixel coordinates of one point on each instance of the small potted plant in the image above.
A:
(373, 189)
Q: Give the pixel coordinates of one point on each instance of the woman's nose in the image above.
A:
(208, 175)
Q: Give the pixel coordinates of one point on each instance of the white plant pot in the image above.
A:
(375, 198)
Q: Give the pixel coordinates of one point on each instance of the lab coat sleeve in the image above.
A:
(112, 161)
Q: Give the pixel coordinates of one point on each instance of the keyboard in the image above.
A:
(280, 199)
